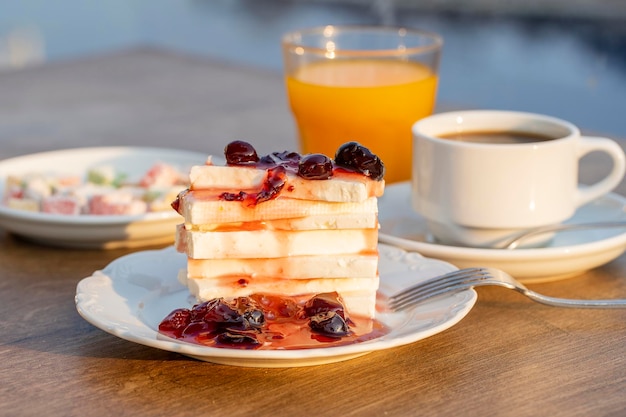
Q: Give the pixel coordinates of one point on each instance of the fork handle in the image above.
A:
(563, 302)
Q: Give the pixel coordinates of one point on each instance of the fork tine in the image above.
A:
(437, 281)
(420, 297)
(453, 281)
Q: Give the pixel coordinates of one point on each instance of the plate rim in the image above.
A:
(86, 219)
(434, 249)
(465, 302)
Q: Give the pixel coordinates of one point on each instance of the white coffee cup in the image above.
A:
(478, 194)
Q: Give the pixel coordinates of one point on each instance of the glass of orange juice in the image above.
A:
(366, 84)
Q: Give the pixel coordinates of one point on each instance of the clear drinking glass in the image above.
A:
(363, 84)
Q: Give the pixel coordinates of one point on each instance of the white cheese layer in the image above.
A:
(293, 267)
(274, 243)
(324, 221)
(341, 188)
(202, 207)
(213, 287)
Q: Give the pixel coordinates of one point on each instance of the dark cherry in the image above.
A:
(251, 312)
(176, 322)
(323, 303)
(240, 153)
(198, 311)
(315, 167)
(329, 324)
(356, 157)
(254, 318)
(223, 313)
(245, 340)
(287, 159)
(200, 328)
(247, 322)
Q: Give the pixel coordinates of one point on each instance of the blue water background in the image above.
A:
(569, 68)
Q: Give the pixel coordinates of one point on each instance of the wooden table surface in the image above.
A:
(508, 357)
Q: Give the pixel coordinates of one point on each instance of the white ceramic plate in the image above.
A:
(131, 296)
(567, 255)
(90, 231)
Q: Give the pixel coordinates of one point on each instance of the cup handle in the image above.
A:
(589, 144)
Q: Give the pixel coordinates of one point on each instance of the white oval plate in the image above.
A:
(90, 231)
(131, 296)
(567, 255)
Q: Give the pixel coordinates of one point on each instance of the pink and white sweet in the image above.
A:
(104, 191)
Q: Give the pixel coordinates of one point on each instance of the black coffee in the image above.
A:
(497, 137)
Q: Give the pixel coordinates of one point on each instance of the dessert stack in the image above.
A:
(283, 224)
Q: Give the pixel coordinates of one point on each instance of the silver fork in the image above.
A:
(473, 277)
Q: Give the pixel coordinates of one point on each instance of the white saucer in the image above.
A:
(89, 231)
(131, 296)
(567, 255)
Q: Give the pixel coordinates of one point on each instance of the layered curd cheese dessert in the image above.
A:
(281, 249)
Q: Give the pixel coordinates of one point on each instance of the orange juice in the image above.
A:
(373, 102)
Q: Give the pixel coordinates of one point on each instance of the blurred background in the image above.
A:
(565, 58)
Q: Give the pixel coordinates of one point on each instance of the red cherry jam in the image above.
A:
(350, 157)
(265, 321)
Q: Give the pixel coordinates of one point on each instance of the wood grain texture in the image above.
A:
(508, 357)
